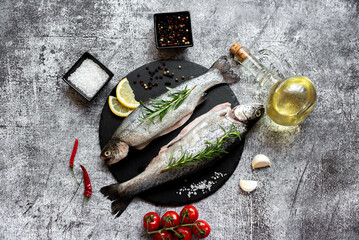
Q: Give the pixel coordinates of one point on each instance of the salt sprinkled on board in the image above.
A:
(203, 186)
(88, 77)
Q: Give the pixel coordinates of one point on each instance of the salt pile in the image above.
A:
(202, 186)
(88, 78)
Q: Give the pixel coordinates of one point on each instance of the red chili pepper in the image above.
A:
(88, 187)
(72, 158)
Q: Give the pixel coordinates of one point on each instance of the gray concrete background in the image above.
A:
(312, 190)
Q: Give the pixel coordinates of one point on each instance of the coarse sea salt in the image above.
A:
(202, 186)
(89, 77)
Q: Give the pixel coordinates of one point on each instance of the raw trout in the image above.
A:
(222, 126)
(138, 134)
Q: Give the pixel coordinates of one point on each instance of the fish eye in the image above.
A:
(107, 153)
(258, 113)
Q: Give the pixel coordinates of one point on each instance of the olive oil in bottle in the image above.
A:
(290, 100)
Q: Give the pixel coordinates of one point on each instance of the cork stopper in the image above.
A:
(238, 51)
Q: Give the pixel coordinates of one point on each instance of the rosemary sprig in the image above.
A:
(212, 150)
(161, 107)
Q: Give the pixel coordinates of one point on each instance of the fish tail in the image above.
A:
(229, 69)
(118, 207)
(120, 201)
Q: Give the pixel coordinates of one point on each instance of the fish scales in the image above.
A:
(193, 139)
(134, 135)
(138, 134)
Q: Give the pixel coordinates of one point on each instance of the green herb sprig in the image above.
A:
(161, 107)
(212, 150)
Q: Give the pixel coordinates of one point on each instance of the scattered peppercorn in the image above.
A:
(138, 75)
(146, 68)
(161, 77)
(134, 82)
(176, 79)
(182, 77)
(179, 67)
(164, 64)
(167, 83)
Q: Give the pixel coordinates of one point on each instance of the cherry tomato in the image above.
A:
(151, 221)
(170, 219)
(164, 235)
(202, 229)
(189, 214)
(184, 232)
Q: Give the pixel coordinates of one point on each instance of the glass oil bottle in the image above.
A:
(290, 100)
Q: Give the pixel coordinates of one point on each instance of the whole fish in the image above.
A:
(193, 141)
(136, 133)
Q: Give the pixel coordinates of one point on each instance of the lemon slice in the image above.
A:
(125, 94)
(117, 108)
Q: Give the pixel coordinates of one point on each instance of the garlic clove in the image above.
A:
(248, 185)
(260, 161)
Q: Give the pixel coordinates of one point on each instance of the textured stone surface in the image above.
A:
(312, 190)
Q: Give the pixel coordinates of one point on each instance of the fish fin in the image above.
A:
(202, 99)
(119, 206)
(111, 191)
(229, 69)
(143, 145)
(119, 201)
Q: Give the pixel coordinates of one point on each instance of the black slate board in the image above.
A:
(136, 161)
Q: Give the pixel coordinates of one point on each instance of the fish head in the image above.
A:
(114, 151)
(247, 113)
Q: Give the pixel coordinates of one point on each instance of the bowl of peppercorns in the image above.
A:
(173, 30)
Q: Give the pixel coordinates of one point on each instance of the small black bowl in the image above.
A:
(173, 30)
(85, 56)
